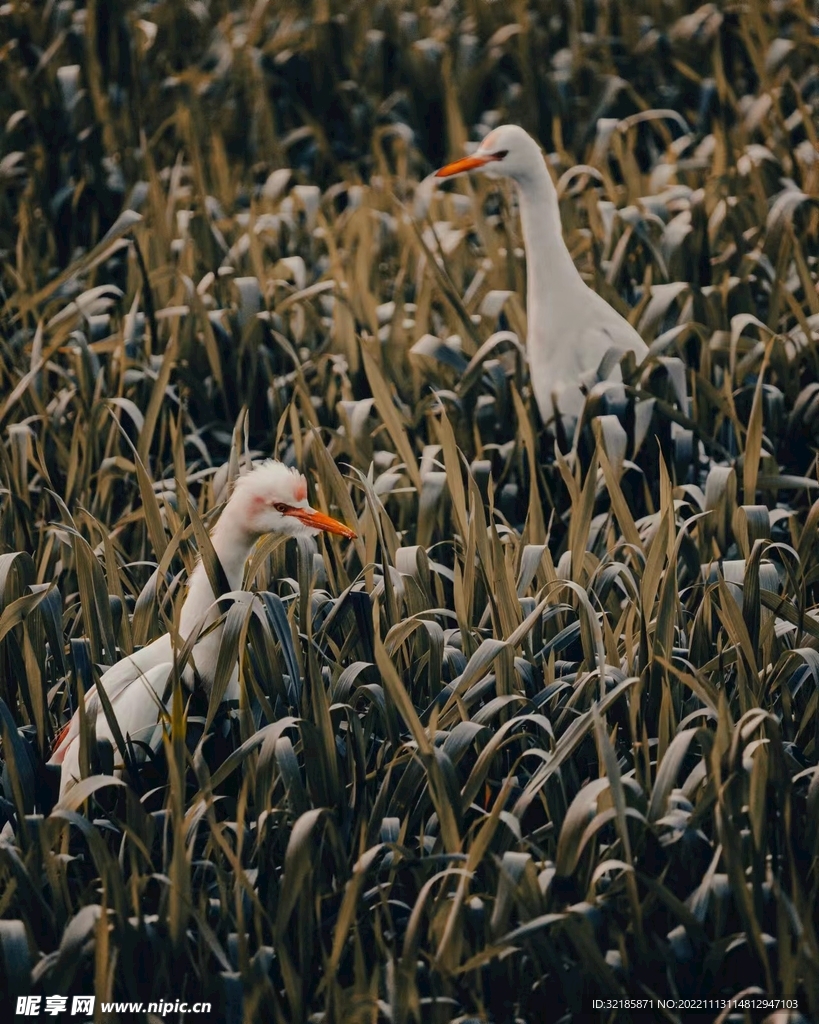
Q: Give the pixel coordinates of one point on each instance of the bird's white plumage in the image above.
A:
(271, 498)
(570, 326)
(136, 706)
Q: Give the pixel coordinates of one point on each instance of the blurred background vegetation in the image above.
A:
(548, 730)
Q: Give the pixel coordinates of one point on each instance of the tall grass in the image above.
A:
(548, 730)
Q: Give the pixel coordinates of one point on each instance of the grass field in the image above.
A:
(548, 730)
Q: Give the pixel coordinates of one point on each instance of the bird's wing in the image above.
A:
(137, 711)
(596, 339)
(605, 328)
(115, 680)
(139, 704)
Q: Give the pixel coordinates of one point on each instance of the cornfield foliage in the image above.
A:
(548, 730)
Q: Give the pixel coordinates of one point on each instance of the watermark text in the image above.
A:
(53, 1006)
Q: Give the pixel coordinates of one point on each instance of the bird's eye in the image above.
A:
(281, 507)
(501, 154)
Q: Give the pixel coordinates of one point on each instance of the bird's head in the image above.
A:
(272, 498)
(506, 152)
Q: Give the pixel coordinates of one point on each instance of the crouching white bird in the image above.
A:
(271, 498)
(570, 326)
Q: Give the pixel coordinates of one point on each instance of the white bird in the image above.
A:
(570, 326)
(271, 498)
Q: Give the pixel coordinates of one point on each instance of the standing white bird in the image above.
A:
(570, 327)
(271, 498)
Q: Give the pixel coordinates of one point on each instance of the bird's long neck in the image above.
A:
(233, 546)
(550, 271)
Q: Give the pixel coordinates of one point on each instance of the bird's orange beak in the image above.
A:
(319, 521)
(467, 163)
